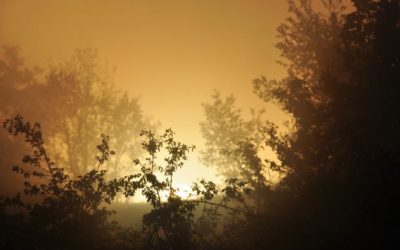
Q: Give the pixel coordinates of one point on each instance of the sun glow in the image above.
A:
(184, 191)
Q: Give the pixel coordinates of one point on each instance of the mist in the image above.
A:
(199, 125)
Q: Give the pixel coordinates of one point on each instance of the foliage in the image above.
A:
(60, 211)
(341, 157)
(171, 224)
(342, 90)
(168, 224)
(53, 205)
(340, 161)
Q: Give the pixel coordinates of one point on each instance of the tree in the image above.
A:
(341, 90)
(94, 107)
(61, 208)
(56, 211)
(171, 224)
(224, 129)
(15, 80)
(341, 157)
(77, 102)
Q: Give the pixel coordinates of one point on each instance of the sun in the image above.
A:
(183, 191)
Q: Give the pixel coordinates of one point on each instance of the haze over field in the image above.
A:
(293, 107)
(173, 54)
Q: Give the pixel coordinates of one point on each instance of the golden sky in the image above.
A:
(172, 53)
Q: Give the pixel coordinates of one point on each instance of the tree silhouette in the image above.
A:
(340, 160)
(58, 211)
(341, 90)
(171, 224)
(55, 211)
(341, 156)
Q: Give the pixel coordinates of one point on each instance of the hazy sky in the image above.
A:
(172, 53)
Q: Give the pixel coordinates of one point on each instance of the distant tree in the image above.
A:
(23, 90)
(14, 75)
(15, 78)
(94, 107)
(77, 102)
(224, 129)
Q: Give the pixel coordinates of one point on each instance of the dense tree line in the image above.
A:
(337, 161)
